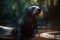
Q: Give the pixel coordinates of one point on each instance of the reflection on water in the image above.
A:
(6, 32)
(52, 35)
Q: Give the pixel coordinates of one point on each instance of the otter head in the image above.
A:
(33, 11)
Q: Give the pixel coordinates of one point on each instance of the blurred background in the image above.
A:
(12, 10)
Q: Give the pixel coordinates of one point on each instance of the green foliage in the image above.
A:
(13, 9)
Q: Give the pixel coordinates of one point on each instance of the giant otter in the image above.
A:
(27, 24)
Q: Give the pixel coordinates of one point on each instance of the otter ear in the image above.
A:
(28, 12)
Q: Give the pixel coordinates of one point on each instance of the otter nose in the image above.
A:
(38, 10)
